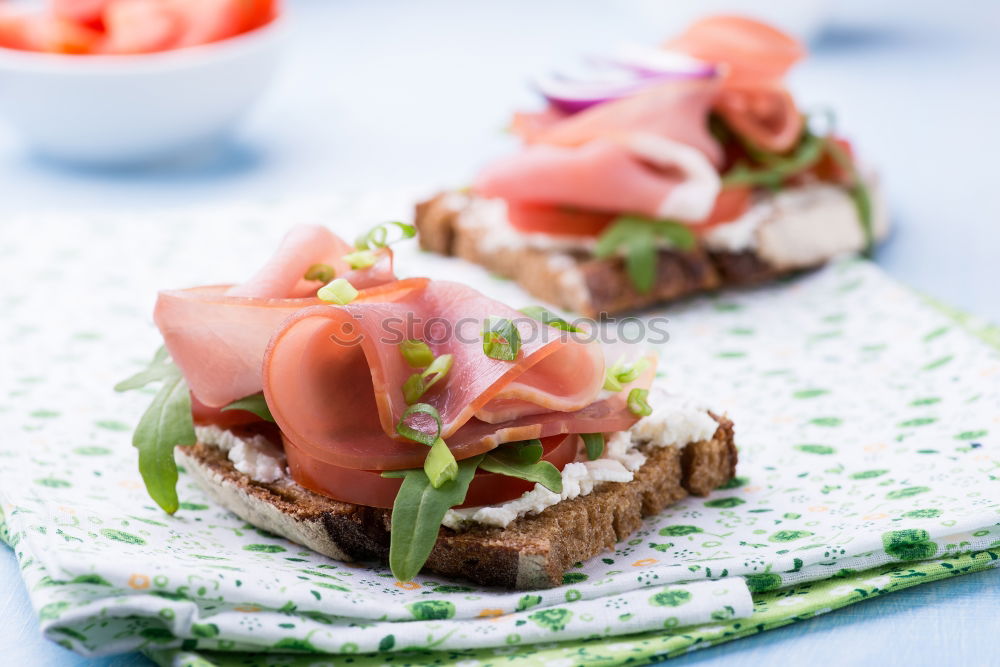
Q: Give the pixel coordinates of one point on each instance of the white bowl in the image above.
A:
(128, 109)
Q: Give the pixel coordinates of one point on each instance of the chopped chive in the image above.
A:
(405, 429)
(440, 465)
(594, 444)
(418, 383)
(501, 339)
(638, 404)
(338, 291)
(621, 374)
(378, 237)
(361, 259)
(417, 353)
(321, 273)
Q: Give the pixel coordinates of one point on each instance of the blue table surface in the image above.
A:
(395, 93)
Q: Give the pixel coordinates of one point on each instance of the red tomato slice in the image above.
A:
(828, 169)
(731, 203)
(765, 117)
(368, 487)
(549, 219)
(88, 13)
(206, 21)
(45, 33)
(140, 26)
(203, 415)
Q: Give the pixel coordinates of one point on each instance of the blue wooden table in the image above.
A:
(398, 93)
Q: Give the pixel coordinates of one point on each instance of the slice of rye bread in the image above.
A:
(575, 280)
(532, 552)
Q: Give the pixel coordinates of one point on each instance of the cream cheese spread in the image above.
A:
(256, 456)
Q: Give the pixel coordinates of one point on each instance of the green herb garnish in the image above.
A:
(254, 403)
(417, 514)
(166, 423)
(440, 465)
(777, 169)
(501, 339)
(506, 462)
(638, 402)
(339, 291)
(423, 437)
(320, 273)
(638, 239)
(418, 383)
(378, 237)
(417, 353)
(594, 444)
(621, 374)
(858, 191)
(546, 316)
(525, 451)
(361, 259)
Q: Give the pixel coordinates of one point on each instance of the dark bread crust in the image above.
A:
(532, 552)
(604, 285)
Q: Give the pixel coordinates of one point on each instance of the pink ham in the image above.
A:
(217, 334)
(333, 378)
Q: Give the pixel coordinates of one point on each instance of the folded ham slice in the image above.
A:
(217, 334)
(333, 378)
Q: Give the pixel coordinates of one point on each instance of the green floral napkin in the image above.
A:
(865, 421)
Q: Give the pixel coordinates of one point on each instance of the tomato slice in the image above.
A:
(828, 169)
(204, 415)
(731, 203)
(368, 487)
(88, 13)
(551, 219)
(140, 26)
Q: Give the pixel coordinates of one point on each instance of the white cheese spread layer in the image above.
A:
(675, 421)
(256, 456)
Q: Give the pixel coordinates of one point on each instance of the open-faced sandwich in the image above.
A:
(416, 422)
(661, 173)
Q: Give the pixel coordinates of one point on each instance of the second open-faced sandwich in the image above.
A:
(416, 422)
(661, 173)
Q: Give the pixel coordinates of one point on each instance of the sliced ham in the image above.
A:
(753, 101)
(333, 379)
(217, 334)
(642, 173)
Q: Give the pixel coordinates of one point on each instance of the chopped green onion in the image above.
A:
(546, 316)
(417, 353)
(321, 273)
(361, 259)
(501, 339)
(638, 404)
(440, 465)
(339, 291)
(621, 374)
(594, 444)
(423, 437)
(378, 237)
(418, 383)
(526, 451)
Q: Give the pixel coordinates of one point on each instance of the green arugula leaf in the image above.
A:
(165, 424)
(778, 168)
(639, 239)
(508, 463)
(546, 316)
(254, 403)
(594, 444)
(417, 514)
(525, 451)
(159, 368)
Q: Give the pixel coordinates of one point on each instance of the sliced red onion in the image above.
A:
(631, 71)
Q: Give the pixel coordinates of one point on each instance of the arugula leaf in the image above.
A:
(417, 514)
(254, 403)
(638, 238)
(594, 444)
(165, 424)
(546, 316)
(778, 168)
(508, 463)
(858, 191)
(159, 368)
(525, 451)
